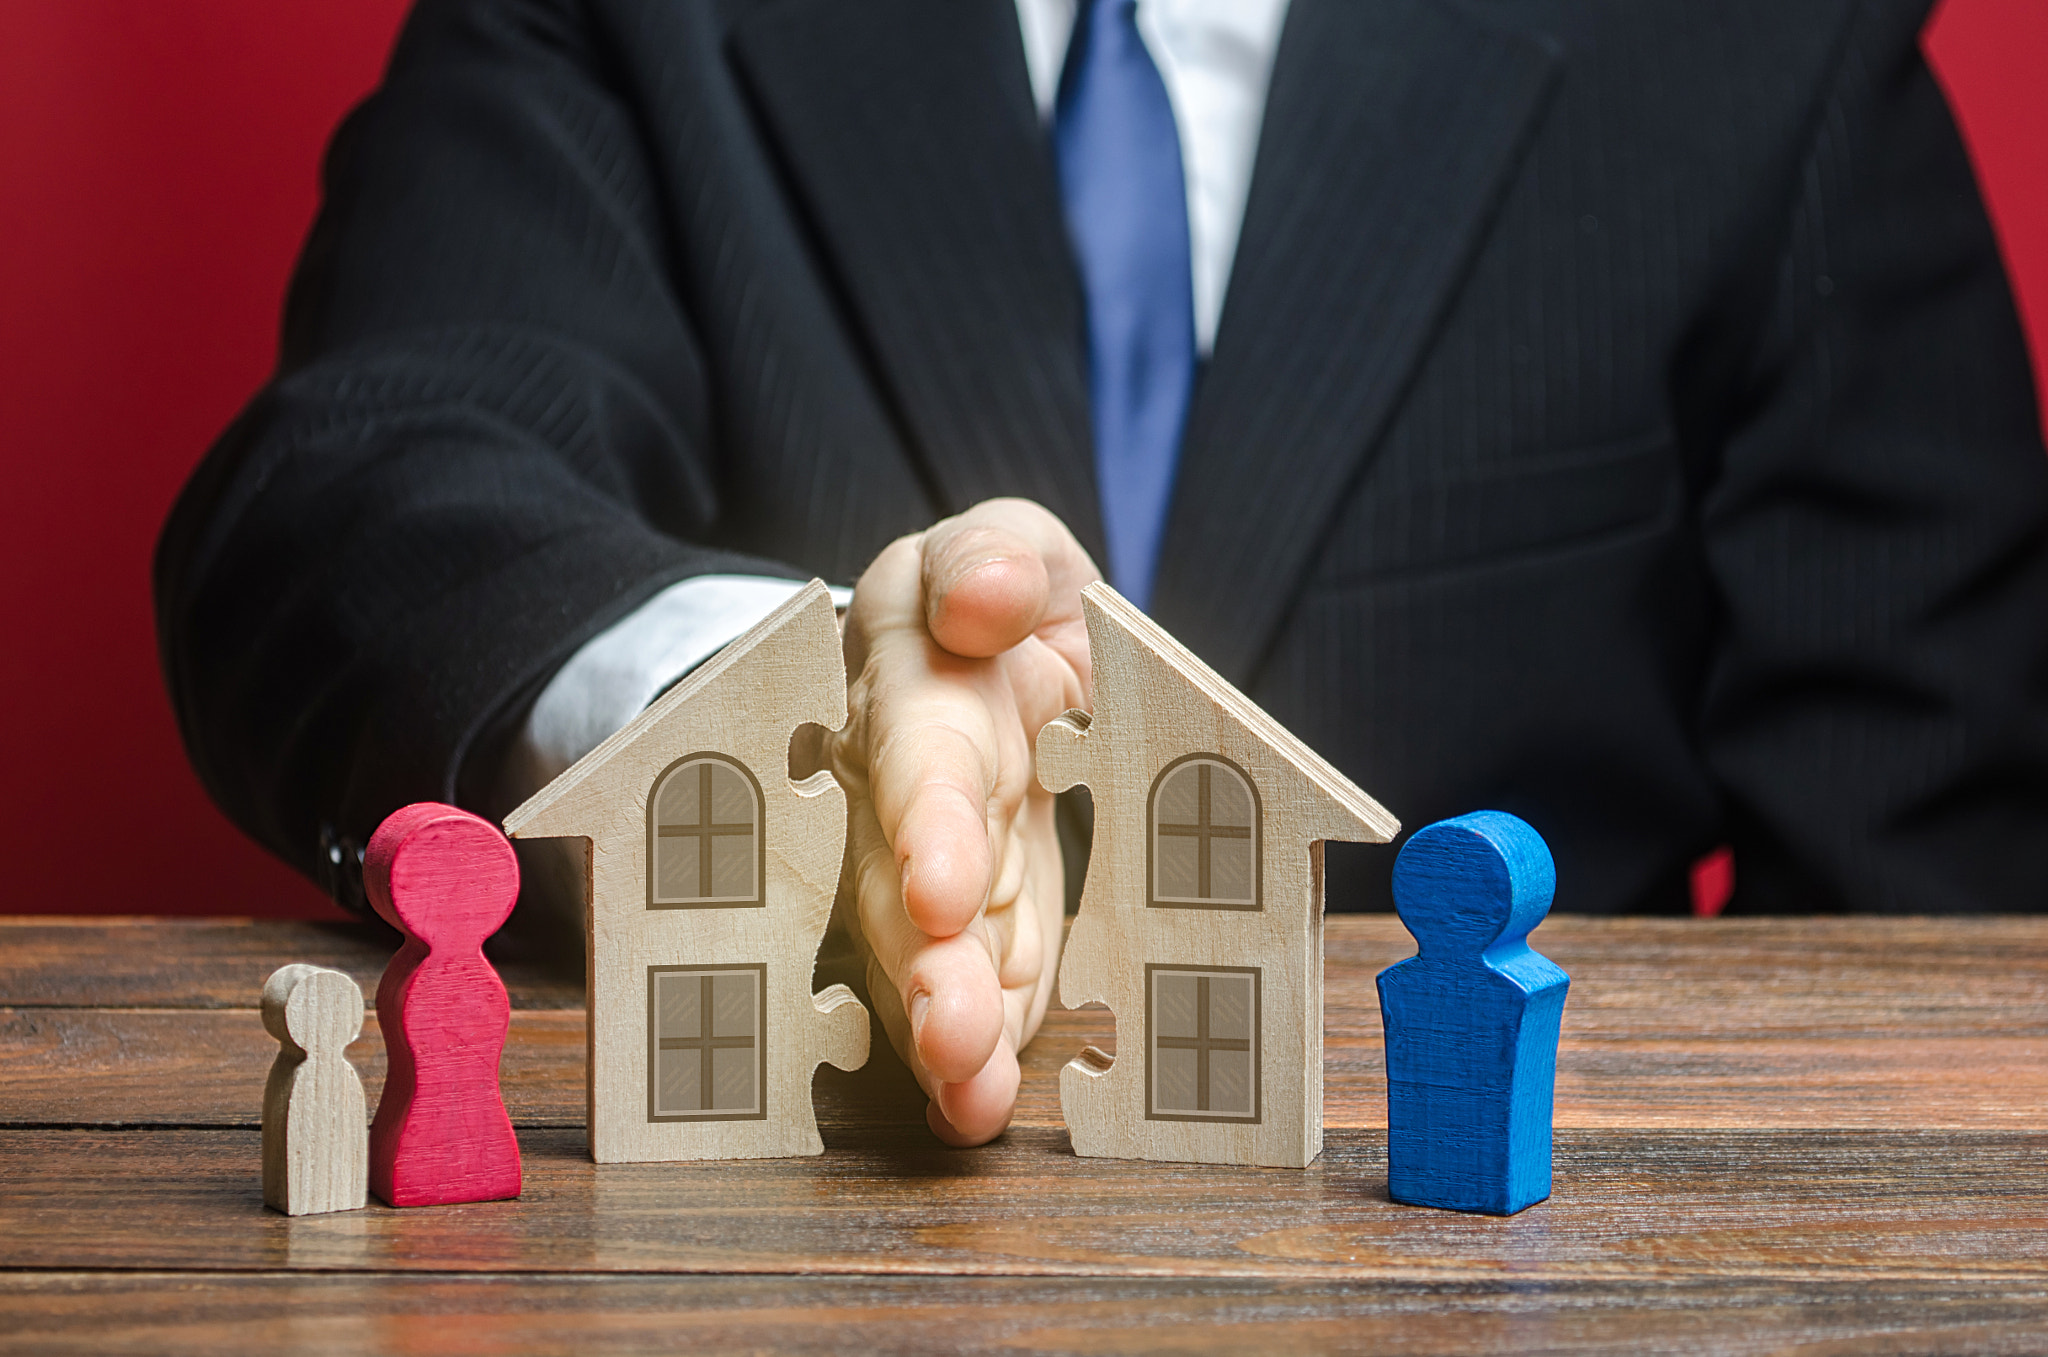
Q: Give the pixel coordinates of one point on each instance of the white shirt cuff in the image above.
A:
(629, 664)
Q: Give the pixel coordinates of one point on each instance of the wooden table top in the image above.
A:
(1828, 1135)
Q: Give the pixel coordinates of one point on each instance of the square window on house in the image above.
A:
(1203, 1051)
(707, 1043)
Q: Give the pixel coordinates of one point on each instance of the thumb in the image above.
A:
(994, 574)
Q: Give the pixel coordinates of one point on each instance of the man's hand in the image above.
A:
(962, 641)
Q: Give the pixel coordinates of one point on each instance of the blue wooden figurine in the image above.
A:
(1472, 1021)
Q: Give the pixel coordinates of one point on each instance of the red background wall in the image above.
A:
(157, 171)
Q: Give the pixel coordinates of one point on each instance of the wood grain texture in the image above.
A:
(316, 1148)
(179, 1067)
(447, 879)
(1472, 1020)
(1808, 1024)
(1200, 980)
(120, 1232)
(85, 1067)
(1636, 1206)
(54, 961)
(59, 1314)
(1708, 978)
(663, 1083)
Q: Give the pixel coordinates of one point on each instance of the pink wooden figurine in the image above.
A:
(447, 879)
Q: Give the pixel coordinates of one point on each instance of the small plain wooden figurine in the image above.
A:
(1201, 923)
(315, 1134)
(447, 879)
(711, 877)
(1472, 1019)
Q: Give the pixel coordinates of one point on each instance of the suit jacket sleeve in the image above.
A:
(487, 440)
(1877, 710)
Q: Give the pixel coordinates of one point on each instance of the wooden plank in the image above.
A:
(161, 1067)
(1776, 1084)
(1965, 1208)
(1900, 1084)
(1633, 978)
(1741, 978)
(332, 1316)
(141, 962)
(1895, 1237)
(184, 1067)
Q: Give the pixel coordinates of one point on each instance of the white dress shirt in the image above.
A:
(1215, 58)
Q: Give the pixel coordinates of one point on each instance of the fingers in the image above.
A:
(922, 740)
(958, 1009)
(960, 643)
(976, 1110)
(955, 1006)
(931, 770)
(946, 990)
(985, 588)
(1000, 572)
(945, 736)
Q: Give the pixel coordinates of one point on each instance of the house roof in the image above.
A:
(1114, 607)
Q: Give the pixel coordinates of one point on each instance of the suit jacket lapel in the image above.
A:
(909, 134)
(1389, 132)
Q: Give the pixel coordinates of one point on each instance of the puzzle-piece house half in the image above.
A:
(1201, 923)
(710, 878)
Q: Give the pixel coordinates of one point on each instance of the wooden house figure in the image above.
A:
(1201, 923)
(710, 879)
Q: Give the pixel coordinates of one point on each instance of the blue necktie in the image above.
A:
(1127, 212)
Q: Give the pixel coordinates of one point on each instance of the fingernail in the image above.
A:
(920, 1004)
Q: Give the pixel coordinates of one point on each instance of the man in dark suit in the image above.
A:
(1611, 413)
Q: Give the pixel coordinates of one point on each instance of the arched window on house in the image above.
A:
(704, 836)
(1203, 821)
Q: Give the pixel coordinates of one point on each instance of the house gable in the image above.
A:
(1201, 920)
(1376, 823)
(708, 903)
(769, 676)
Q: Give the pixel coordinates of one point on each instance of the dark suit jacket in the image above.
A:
(1618, 417)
